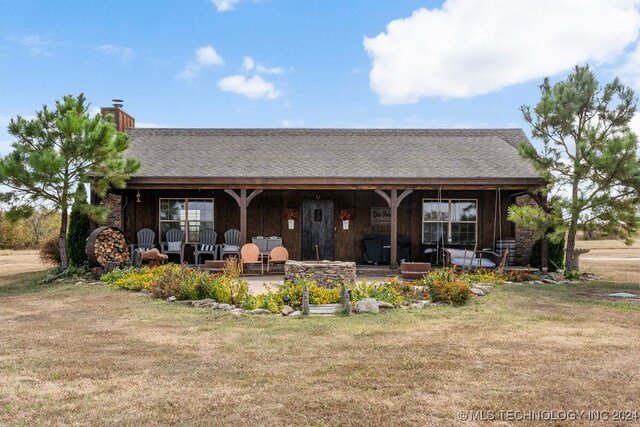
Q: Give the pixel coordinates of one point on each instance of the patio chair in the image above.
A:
(232, 243)
(273, 242)
(207, 245)
(145, 238)
(250, 254)
(278, 255)
(174, 244)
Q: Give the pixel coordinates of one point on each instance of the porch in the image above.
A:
(426, 218)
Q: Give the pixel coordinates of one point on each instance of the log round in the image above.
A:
(107, 244)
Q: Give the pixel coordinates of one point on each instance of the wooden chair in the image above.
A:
(174, 244)
(278, 255)
(145, 238)
(207, 245)
(250, 254)
(231, 243)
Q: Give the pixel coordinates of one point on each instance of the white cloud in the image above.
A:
(36, 45)
(629, 72)
(206, 56)
(635, 124)
(248, 63)
(225, 5)
(469, 47)
(253, 88)
(124, 53)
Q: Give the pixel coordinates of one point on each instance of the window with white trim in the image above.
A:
(189, 215)
(452, 221)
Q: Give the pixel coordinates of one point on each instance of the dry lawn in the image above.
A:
(82, 354)
(16, 262)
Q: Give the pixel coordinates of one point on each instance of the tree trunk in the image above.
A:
(64, 261)
(571, 244)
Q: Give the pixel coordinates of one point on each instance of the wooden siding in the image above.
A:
(266, 215)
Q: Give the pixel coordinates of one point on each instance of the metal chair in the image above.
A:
(231, 243)
(174, 244)
(145, 238)
(207, 245)
(278, 255)
(250, 254)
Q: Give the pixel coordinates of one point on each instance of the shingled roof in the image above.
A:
(329, 153)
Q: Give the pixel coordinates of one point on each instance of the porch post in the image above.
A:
(243, 202)
(394, 201)
(394, 228)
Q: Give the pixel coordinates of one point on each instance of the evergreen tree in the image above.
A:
(55, 152)
(589, 156)
(78, 228)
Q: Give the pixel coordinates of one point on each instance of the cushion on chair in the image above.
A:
(174, 246)
(230, 248)
(206, 248)
(460, 253)
(472, 262)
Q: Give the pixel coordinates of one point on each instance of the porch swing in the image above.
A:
(471, 259)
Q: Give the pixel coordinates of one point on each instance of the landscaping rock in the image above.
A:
(207, 302)
(259, 311)
(296, 313)
(368, 305)
(185, 302)
(237, 311)
(623, 295)
(286, 310)
(477, 291)
(171, 299)
(383, 304)
(225, 307)
(420, 304)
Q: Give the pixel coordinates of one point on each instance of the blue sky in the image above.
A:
(312, 63)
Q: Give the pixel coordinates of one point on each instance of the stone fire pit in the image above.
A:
(327, 274)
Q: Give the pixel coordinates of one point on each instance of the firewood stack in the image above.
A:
(107, 244)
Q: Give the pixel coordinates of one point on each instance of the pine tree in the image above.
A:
(55, 152)
(79, 224)
(589, 155)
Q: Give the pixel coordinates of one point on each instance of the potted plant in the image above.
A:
(345, 216)
(292, 215)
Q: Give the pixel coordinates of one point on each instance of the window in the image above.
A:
(449, 221)
(189, 215)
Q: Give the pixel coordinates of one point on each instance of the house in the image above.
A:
(448, 187)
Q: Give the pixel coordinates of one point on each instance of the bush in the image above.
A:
(182, 282)
(484, 276)
(447, 285)
(78, 230)
(387, 291)
(555, 252)
(50, 250)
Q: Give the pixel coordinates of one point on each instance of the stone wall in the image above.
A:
(327, 274)
(524, 238)
(114, 203)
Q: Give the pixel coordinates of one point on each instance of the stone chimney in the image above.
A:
(121, 118)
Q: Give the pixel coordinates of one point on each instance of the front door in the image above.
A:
(317, 229)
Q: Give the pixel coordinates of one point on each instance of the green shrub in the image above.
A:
(447, 285)
(385, 291)
(555, 252)
(78, 229)
(182, 282)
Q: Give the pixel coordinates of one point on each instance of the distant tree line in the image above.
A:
(28, 233)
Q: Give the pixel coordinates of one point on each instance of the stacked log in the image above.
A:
(107, 245)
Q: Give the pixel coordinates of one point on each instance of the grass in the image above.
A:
(86, 354)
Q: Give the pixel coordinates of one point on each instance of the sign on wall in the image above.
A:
(380, 216)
